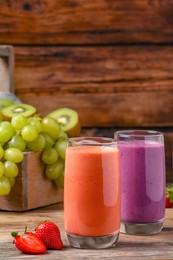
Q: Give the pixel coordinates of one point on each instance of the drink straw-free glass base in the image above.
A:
(102, 242)
(141, 228)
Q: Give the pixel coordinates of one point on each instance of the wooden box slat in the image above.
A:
(86, 22)
(135, 67)
(32, 189)
(6, 68)
(117, 85)
(112, 109)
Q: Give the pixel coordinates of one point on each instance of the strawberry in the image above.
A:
(169, 196)
(168, 203)
(29, 243)
(49, 233)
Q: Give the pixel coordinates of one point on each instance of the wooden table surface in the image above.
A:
(128, 247)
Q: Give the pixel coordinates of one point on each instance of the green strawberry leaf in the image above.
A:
(169, 192)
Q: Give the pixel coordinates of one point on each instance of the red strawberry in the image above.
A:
(169, 196)
(29, 243)
(49, 233)
(168, 203)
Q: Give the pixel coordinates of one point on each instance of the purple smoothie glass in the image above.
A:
(143, 181)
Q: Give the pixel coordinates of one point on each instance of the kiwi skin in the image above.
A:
(74, 130)
(7, 112)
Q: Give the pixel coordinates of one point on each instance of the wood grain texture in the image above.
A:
(85, 22)
(118, 85)
(128, 247)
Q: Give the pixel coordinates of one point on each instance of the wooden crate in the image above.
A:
(6, 68)
(32, 189)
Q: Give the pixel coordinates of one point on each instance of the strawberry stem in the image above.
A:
(26, 228)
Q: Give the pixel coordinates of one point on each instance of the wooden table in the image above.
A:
(129, 247)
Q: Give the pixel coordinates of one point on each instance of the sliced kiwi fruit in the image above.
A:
(18, 109)
(68, 119)
(5, 103)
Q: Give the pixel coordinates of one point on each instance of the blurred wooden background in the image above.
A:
(111, 60)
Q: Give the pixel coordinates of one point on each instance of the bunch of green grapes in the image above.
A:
(31, 134)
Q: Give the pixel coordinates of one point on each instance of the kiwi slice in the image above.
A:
(69, 120)
(5, 103)
(16, 109)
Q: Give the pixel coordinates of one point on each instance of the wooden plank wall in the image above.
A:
(111, 60)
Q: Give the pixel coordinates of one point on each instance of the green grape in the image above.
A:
(50, 156)
(38, 144)
(61, 146)
(17, 142)
(60, 181)
(18, 122)
(29, 133)
(5, 146)
(53, 171)
(36, 122)
(1, 152)
(4, 186)
(62, 134)
(6, 131)
(12, 181)
(11, 169)
(13, 155)
(48, 139)
(51, 126)
(2, 168)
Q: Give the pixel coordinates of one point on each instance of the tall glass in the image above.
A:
(142, 169)
(92, 192)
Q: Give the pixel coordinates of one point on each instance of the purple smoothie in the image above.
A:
(142, 167)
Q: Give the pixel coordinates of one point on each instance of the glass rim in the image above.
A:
(92, 141)
(138, 133)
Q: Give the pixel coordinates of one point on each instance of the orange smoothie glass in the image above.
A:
(92, 192)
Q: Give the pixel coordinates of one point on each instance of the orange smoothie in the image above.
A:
(92, 191)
